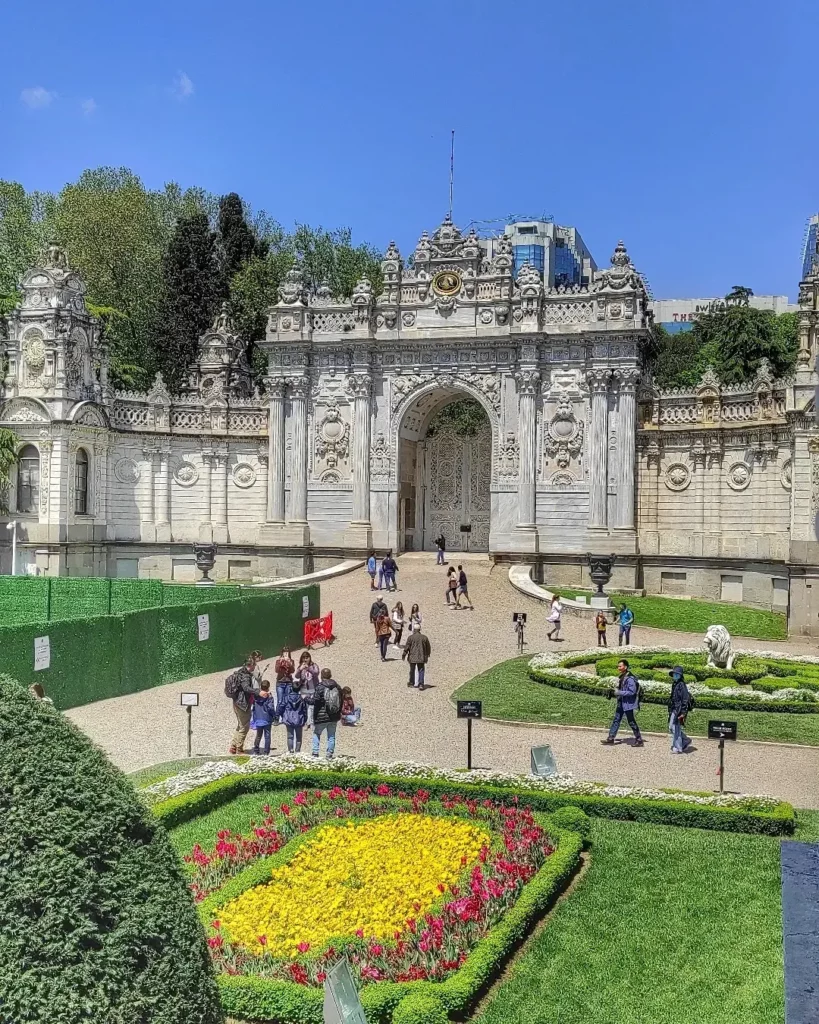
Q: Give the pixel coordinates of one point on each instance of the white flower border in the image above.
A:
(553, 662)
(563, 782)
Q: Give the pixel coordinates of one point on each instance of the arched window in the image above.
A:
(81, 483)
(28, 480)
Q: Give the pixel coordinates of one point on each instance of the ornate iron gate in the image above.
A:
(458, 476)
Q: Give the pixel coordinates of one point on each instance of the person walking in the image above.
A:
(555, 612)
(372, 565)
(451, 584)
(462, 590)
(240, 688)
(601, 624)
(625, 618)
(326, 703)
(414, 616)
(417, 651)
(381, 575)
(262, 716)
(390, 569)
(679, 704)
(628, 701)
(383, 630)
(294, 716)
(397, 616)
(440, 543)
(378, 607)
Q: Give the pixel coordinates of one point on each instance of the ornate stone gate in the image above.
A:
(458, 471)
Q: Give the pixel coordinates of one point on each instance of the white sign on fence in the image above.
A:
(305, 607)
(42, 653)
(204, 627)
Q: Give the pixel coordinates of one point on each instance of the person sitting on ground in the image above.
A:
(262, 716)
(240, 688)
(350, 714)
(326, 703)
(36, 689)
(294, 716)
(398, 623)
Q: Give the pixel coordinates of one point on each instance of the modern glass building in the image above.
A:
(558, 253)
(809, 251)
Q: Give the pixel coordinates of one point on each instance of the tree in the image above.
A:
(237, 242)
(191, 293)
(26, 227)
(9, 448)
(739, 295)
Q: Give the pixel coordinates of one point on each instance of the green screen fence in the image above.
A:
(84, 658)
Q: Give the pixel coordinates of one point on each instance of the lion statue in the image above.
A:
(718, 644)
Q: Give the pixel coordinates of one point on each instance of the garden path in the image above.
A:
(403, 724)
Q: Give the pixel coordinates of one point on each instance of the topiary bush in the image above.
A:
(572, 818)
(420, 1008)
(98, 924)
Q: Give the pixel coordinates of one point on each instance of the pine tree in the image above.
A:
(236, 238)
(192, 293)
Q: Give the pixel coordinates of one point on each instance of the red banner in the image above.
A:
(318, 631)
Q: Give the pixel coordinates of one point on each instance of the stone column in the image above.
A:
(528, 382)
(698, 459)
(360, 386)
(626, 443)
(598, 381)
(650, 500)
(148, 517)
(219, 496)
(299, 389)
(275, 429)
(263, 455)
(206, 525)
(163, 495)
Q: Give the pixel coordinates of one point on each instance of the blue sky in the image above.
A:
(686, 128)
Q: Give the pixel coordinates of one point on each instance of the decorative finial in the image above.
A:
(620, 257)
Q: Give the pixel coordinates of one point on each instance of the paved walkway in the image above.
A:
(403, 724)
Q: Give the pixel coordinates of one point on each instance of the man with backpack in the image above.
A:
(628, 701)
(679, 704)
(240, 688)
(326, 701)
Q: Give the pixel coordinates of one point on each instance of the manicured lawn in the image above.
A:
(669, 926)
(697, 616)
(507, 692)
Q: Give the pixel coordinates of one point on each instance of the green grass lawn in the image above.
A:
(669, 926)
(697, 616)
(507, 692)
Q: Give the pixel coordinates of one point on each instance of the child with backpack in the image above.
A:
(350, 714)
(600, 624)
(262, 716)
(294, 716)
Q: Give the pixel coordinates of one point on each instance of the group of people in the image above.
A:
(386, 571)
(624, 617)
(389, 629)
(628, 694)
(304, 697)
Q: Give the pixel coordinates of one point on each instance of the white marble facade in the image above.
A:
(578, 452)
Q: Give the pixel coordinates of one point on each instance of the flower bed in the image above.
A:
(416, 891)
(758, 681)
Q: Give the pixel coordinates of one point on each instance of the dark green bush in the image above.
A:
(420, 1008)
(574, 819)
(98, 924)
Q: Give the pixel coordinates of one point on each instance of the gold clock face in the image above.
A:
(447, 282)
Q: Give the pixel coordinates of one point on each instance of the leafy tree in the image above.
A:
(192, 293)
(26, 228)
(465, 415)
(739, 295)
(237, 242)
(9, 448)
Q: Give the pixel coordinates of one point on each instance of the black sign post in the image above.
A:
(469, 709)
(721, 731)
(189, 701)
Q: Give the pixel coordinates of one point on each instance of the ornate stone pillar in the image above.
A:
(148, 517)
(360, 385)
(219, 495)
(275, 429)
(598, 381)
(650, 500)
(528, 382)
(698, 460)
(299, 389)
(163, 494)
(626, 448)
(206, 525)
(263, 455)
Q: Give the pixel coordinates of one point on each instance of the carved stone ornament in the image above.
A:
(244, 475)
(564, 435)
(447, 283)
(408, 319)
(34, 352)
(562, 479)
(739, 476)
(186, 474)
(528, 381)
(786, 475)
(21, 410)
(485, 316)
(380, 457)
(677, 476)
(333, 437)
(291, 290)
(508, 455)
(127, 471)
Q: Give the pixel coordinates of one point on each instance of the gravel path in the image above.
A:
(403, 724)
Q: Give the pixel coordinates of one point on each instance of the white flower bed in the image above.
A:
(553, 663)
(184, 782)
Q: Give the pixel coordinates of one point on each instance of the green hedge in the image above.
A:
(190, 593)
(98, 924)
(111, 655)
(780, 820)
(134, 595)
(79, 597)
(24, 599)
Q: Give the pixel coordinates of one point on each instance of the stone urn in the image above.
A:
(600, 567)
(205, 559)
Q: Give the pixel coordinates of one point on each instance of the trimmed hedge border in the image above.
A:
(781, 820)
(254, 998)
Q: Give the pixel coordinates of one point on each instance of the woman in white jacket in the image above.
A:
(554, 618)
